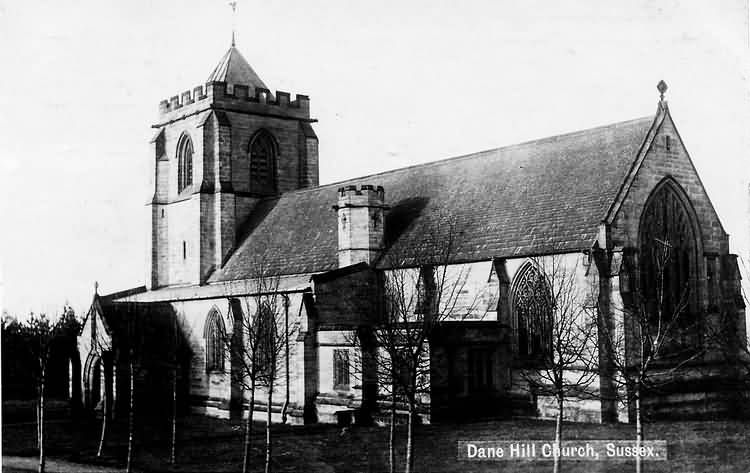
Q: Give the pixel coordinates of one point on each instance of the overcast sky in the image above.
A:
(393, 83)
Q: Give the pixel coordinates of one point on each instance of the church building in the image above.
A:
(237, 213)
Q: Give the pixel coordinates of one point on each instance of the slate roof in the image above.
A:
(233, 68)
(155, 322)
(532, 198)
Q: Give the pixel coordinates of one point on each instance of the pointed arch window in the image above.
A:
(214, 335)
(263, 164)
(667, 253)
(532, 307)
(184, 163)
(265, 353)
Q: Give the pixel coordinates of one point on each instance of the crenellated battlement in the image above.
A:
(364, 195)
(228, 94)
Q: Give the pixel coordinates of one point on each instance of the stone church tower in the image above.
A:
(218, 150)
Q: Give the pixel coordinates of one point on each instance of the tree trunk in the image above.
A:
(38, 417)
(41, 423)
(105, 409)
(268, 428)
(130, 416)
(558, 433)
(249, 429)
(38, 413)
(172, 456)
(638, 426)
(409, 440)
(286, 359)
(392, 435)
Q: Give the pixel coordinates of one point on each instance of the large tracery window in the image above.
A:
(667, 254)
(214, 335)
(263, 164)
(532, 306)
(184, 163)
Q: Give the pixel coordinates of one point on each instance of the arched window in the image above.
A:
(667, 252)
(184, 163)
(263, 164)
(266, 345)
(214, 335)
(532, 307)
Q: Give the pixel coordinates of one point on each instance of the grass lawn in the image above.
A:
(212, 445)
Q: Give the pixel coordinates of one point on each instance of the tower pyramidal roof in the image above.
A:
(234, 69)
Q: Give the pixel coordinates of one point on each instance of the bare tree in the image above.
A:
(102, 345)
(647, 341)
(564, 314)
(420, 291)
(177, 349)
(132, 349)
(242, 345)
(139, 329)
(274, 337)
(259, 347)
(147, 344)
(42, 333)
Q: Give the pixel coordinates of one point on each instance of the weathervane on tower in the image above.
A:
(233, 4)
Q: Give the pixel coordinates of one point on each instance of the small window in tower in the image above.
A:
(184, 163)
(668, 142)
(162, 213)
(184, 250)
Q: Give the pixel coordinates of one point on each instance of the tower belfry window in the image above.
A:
(263, 164)
(184, 163)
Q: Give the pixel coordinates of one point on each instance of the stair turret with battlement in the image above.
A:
(361, 224)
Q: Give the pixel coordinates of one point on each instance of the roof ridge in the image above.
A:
(124, 292)
(467, 156)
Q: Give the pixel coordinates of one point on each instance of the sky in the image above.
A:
(392, 83)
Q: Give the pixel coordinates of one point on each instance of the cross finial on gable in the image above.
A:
(662, 88)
